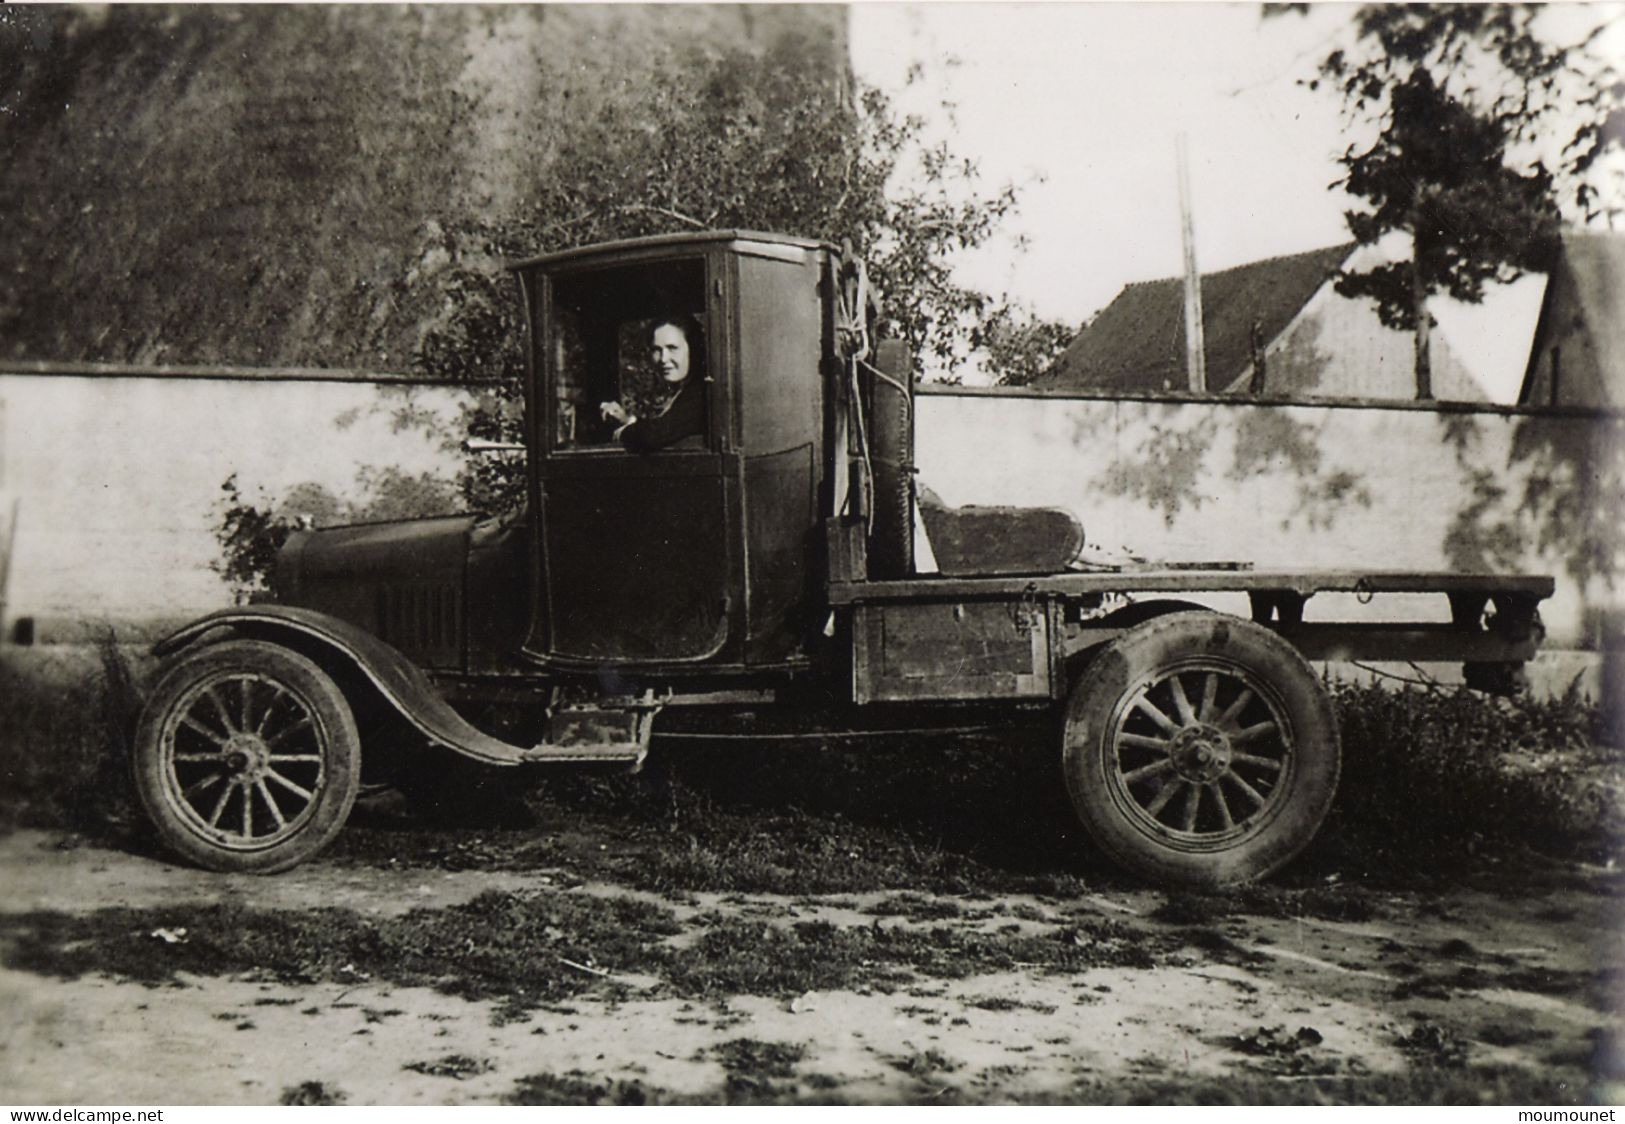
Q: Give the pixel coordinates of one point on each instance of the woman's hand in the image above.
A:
(614, 411)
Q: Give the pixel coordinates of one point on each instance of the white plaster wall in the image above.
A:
(1163, 480)
(119, 479)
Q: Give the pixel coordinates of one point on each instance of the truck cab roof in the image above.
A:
(634, 246)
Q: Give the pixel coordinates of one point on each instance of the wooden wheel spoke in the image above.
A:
(196, 757)
(1161, 800)
(197, 787)
(1223, 805)
(1182, 704)
(302, 793)
(245, 691)
(1254, 732)
(287, 732)
(1271, 763)
(220, 805)
(1251, 793)
(1142, 741)
(200, 729)
(270, 708)
(1149, 709)
(1237, 705)
(1145, 771)
(1193, 803)
(296, 758)
(265, 795)
(1210, 691)
(220, 709)
(248, 811)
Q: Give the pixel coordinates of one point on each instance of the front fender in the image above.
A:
(401, 682)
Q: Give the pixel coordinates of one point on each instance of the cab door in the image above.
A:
(638, 548)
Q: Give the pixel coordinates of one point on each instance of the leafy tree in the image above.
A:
(1463, 100)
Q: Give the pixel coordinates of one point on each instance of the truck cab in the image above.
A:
(701, 556)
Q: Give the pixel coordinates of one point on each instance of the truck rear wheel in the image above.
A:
(1200, 750)
(247, 757)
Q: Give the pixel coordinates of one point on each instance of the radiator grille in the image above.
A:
(420, 618)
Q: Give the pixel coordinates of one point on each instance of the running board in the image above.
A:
(611, 733)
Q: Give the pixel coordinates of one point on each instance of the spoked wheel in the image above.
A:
(1201, 750)
(247, 757)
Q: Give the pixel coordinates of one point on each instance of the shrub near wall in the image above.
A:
(1425, 768)
(67, 714)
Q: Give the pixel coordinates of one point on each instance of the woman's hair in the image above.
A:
(684, 322)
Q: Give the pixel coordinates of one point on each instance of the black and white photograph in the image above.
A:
(887, 554)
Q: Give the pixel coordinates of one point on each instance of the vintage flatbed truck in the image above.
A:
(764, 567)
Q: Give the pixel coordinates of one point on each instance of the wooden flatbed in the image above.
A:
(1302, 583)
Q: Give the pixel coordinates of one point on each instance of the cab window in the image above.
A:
(602, 323)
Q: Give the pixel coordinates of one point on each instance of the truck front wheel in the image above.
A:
(1200, 750)
(247, 757)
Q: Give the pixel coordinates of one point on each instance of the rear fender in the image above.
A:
(398, 681)
(1101, 631)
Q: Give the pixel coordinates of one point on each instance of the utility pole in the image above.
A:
(1195, 346)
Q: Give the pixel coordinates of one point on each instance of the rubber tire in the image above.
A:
(1151, 651)
(336, 738)
(891, 538)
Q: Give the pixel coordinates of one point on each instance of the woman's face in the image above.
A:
(669, 350)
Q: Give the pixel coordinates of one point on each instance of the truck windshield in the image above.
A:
(602, 326)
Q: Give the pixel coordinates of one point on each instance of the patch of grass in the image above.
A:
(512, 948)
(458, 1067)
(738, 956)
(943, 814)
(1193, 909)
(924, 1063)
(796, 852)
(576, 1088)
(753, 1056)
(311, 1093)
(916, 907)
(498, 946)
(757, 1070)
(1004, 1003)
(1430, 1044)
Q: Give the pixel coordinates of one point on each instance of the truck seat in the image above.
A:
(974, 541)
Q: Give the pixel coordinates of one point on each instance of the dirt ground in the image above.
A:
(1510, 986)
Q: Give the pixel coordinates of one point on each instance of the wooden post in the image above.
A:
(1195, 346)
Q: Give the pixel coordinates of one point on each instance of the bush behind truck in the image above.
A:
(764, 571)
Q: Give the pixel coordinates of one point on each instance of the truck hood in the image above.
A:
(402, 581)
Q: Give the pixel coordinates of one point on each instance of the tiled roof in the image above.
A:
(1137, 343)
